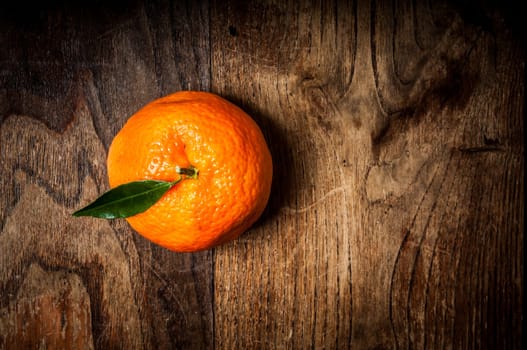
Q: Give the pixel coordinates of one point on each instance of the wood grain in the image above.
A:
(395, 219)
(71, 80)
(389, 146)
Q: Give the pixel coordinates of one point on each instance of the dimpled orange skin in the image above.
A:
(216, 137)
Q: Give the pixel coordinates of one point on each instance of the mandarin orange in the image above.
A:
(202, 131)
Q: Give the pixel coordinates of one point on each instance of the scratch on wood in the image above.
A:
(330, 193)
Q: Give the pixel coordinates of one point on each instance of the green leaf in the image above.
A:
(127, 200)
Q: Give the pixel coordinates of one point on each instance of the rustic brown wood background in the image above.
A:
(396, 217)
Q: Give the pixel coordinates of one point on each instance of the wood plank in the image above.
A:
(71, 76)
(396, 217)
(287, 283)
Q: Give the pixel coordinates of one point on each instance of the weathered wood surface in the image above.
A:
(396, 214)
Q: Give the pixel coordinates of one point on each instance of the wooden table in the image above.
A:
(396, 215)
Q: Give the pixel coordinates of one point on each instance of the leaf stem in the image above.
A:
(189, 172)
